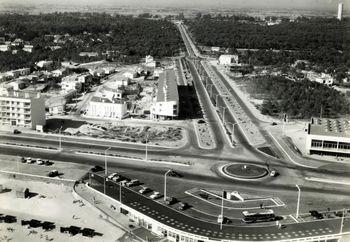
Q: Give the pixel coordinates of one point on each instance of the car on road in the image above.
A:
(97, 168)
(144, 190)
(182, 206)
(23, 159)
(316, 214)
(133, 182)
(273, 173)
(53, 173)
(119, 178)
(16, 131)
(155, 195)
(125, 182)
(173, 173)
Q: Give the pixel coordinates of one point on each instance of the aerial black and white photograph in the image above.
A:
(174, 120)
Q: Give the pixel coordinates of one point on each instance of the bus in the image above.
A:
(264, 216)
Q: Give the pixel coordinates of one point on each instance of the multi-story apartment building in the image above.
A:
(167, 102)
(22, 109)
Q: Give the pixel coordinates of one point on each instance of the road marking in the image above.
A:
(325, 180)
(286, 153)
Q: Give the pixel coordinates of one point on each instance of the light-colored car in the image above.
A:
(39, 161)
(133, 182)
(111, 175)
(144, 190)
(155, 195)
(273, 173)
(29, 160)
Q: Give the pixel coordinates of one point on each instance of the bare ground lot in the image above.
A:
(152, 134)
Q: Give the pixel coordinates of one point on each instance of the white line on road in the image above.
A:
(325, 180)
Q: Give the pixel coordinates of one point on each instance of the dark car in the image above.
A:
(182, 206)
(174, 174)
(316, 214)
(53, 173)
(97, 169)
(16, 131)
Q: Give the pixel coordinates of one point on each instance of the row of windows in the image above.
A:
(330, 144)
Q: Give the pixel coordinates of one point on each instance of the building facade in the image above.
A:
(101, 107)
(328, 137)
(228, 60)
(167, 102)
(22, 110)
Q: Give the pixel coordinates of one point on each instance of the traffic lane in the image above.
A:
(212, 118)
(180, 221)
(189, 174)
(69, 141)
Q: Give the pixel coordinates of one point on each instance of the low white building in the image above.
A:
(28, 48)
(150, 62)
(58, 72)
(167, 102)
(130, 75)
(215, 49)
(4, 48)
(228, 60)
(44, 64)
(75, 82)
(322, 78)
(328, 137)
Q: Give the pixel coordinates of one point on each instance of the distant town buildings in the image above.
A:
(75, 82)
(340, 11)
(44, 64)
(23, 110)
(167, 102)
(328, 137)
(228, 60)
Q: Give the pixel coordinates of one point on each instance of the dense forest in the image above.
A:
(302, 99)
(323, 41)
(131, 38)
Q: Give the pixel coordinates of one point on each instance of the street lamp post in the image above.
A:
(222, 210)
(59, 139)
(223, 114)
(105, 178)
(342, 222)
(298, 202)
(146, 155)
(166, 173)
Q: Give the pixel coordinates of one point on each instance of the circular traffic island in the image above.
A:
(244, 171)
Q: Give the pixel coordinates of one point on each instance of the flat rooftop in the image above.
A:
(167, 87)
(330, 127)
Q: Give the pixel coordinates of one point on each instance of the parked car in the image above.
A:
(170, 200)
(110, 176)
(120, 178)
(39, 161)
(16, 131)
(29, 160)
(182, 206)
(23, 159)
(133, 182)
(174, 174)
(155, 195)
(316, 214)
(125, 182)
(144, 190)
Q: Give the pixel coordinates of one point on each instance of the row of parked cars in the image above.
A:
(38, 161)
(124, 181)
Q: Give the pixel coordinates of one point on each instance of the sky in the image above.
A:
(270, 4)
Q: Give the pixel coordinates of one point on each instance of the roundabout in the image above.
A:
(244, 171)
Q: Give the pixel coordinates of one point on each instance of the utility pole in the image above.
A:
(59, 139)
(105, 177)
(222, 210)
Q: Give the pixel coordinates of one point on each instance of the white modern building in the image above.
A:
(22, 109)
(167, 102)
(328, 137)
(340, 11)
(44, 64)
(4, 48)
(228, 60)
(108, 108)
(28, 48)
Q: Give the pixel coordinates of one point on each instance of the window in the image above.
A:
(316, 143)
(343, 145)
(330, 144)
